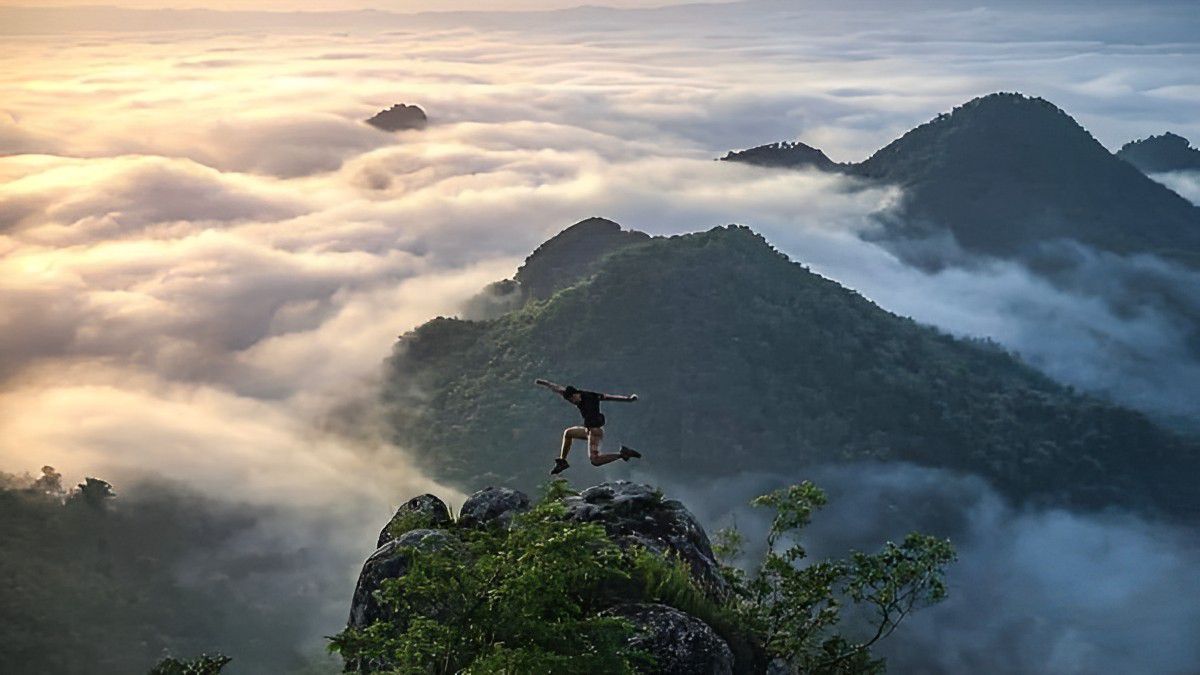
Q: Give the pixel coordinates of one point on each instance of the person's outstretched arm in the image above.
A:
(618, 397)
(556, 388)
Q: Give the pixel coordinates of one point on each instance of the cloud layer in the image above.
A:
(204, 253)
(1033, 591)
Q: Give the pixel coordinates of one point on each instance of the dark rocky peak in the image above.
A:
(399, 117)
(786, 154)
(1157, 154)
(569, 256)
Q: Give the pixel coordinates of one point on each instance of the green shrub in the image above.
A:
(204, 665)
(527, 599)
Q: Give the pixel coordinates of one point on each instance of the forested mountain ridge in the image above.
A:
(1011, 176)
(745, 360)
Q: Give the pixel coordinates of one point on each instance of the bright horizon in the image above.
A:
(399, 6)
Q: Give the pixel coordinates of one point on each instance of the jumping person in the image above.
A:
(588, 403)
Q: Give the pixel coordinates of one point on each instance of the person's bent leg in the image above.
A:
(595, 437)
(569, 435)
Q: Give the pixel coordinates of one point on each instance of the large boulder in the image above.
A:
(680, 643)
(492, 506)
(424, 511)
(637, 515)
(390, 561)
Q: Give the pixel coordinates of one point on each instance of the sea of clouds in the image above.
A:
(205, 254)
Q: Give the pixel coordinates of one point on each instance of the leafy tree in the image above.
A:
(93, 492)
(49, 483)
(797, 609)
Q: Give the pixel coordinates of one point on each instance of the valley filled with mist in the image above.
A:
(267, 323)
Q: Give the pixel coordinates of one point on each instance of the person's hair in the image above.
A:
(569, 391)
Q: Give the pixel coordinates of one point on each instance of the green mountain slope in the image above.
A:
(746, 361)
(571, 254)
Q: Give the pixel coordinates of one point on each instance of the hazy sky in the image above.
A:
(205, 254)
(336, 5)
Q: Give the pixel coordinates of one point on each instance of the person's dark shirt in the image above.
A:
(589, 407)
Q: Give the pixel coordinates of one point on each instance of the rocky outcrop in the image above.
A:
(423, 511)
(680, 643)
(399, 117)
(390, 561)
(638, 515)
(393, 555)
(492, 506)
(632, 514)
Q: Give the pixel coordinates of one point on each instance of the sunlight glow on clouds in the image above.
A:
(209, 210)
(205, 254)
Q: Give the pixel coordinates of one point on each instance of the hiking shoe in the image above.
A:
(628, 453)
(560, 465)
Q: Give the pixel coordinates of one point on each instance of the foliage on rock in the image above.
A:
(202, 665)
(546, 592)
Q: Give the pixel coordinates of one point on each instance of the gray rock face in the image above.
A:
(635, 514)
(492, 505)
(680, 643)
(389, 562)
(426, 508)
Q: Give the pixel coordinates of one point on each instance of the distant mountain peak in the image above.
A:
(589, 226)
(1008, 174)
(1159, 154)
(399, 117)
(569, 255)
(1012, 126)
(1011, 176)
(1010, 99)
(785, 154)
